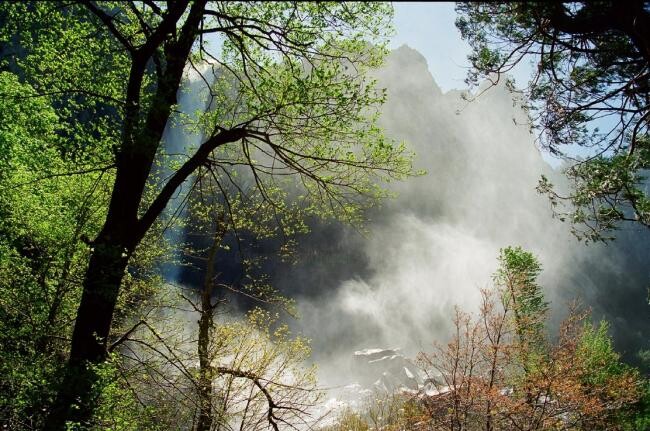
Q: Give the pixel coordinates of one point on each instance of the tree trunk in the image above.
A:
(205, 360)
(123, 229)
(206, 322)
(206, 376)
(76, 398)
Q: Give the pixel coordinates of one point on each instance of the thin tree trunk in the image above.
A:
(206, 323)
(496, 345)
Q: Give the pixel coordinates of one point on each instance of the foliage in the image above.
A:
(48, 209)
(608, 190)
(301, 92)
(386, 412)
(253, 359)
(42, 218)
(487, 378)
(290, 110)
(348, 420)
(517, 277)
(588, 96)
(637, 417)
(242, 227)
(119, 408)
(500, 371)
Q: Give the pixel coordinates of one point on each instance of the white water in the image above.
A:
(435, 245)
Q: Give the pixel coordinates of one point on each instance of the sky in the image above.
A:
(429, 28)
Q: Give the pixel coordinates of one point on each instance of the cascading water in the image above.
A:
(436, 244)
(181, 139)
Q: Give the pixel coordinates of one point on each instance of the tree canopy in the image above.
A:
(588, 96)
(102, 148)
(288, 98)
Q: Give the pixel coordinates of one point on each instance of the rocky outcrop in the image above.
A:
(386, 370)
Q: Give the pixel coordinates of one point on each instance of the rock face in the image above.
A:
(376, 372)
(436, 244)
(386, 370)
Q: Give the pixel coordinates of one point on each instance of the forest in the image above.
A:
(265, 216)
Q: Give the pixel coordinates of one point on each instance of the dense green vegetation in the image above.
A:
(284, 103)
(91, 336)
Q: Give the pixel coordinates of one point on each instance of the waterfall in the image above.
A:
(181, 139)
(436, 244)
